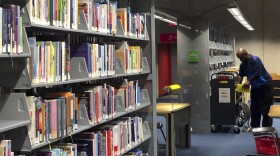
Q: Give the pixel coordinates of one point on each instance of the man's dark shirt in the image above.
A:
(255, 72)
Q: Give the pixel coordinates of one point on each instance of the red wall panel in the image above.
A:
(164, 71)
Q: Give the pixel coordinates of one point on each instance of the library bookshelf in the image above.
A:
(25, 79)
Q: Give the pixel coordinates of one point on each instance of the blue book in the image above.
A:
(4, 15)
(138, 96)
(96, 144)
(8, 31)
(82, 50)
(136, 152)
(133, 132)
(59, 134)
(63, 116)
(47, 120)
(56, 151)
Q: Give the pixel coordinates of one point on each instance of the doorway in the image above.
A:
(167, 65)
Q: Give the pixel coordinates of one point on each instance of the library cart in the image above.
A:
(223, 107)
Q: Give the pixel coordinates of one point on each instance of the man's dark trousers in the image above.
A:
(261, 99)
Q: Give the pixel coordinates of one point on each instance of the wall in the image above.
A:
(264, 41)
(272, 35)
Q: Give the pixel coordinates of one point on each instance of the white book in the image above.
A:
(36, 12)
(63, 62)
(43, 63)
(136, 130)
(129, 132)
(140, 129)
(32, 113)
(67, 14)
(116, 138)
(30, 10)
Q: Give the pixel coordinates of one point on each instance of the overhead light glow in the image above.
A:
(169, 19)
(165, 20)
(237, 14)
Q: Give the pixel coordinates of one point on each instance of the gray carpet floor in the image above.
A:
(221, 144)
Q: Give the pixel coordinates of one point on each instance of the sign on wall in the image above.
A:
(193, 56)
(168, 37)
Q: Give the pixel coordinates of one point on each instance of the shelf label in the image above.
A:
(224, 95)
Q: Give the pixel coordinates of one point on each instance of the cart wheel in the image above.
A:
(213, 129)
(236, 131)
(240, 124)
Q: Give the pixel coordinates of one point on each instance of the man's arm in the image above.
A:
(257, 70)
(240, 78)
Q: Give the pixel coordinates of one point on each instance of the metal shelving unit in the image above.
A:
(14, 114)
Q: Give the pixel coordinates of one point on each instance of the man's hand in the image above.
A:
(246, 86)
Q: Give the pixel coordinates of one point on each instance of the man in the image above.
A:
(261, 87)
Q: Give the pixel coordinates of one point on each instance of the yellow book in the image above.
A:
(77, 17)
(51, 74)
(121, 53)
(2, 150)
(137, 50)
(122, 15)
(133, 59)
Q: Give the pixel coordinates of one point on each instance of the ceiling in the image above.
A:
(215, 11)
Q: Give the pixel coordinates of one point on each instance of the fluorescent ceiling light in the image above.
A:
(239, 18)
(237, 14)
(234, 11)
(165, 20)
(169, 19)
(244, 23)
(158, 17)
(185, 26)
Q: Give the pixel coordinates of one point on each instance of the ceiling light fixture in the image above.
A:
(165, 20)
(168, 18)
(237, 14)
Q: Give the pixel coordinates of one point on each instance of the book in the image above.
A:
(122, 15)
(82, 50)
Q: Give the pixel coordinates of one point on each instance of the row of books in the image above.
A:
(54, 114)
(130, 94)
(60, 13)
(112, 139)
(52, 117)
(131, 57)
(5, 148)
(101, 15)
(59, 149)
(10, 30)
(49, 61)
(133, 24)
(100, 58)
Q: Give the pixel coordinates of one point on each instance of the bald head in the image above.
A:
(242, 54)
